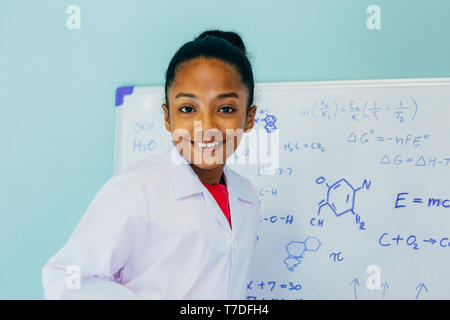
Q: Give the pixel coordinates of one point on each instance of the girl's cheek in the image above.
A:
(234, 136)
(182, 135)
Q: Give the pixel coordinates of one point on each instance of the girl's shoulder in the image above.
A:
(147, 173)
(150, 163)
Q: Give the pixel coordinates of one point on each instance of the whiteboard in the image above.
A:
(357, 205)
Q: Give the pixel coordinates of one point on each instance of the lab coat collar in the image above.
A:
(185, 181)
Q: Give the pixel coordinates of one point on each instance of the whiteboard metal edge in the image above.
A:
(326, 84)
(117, 161)
(148, 89)
(403, 82)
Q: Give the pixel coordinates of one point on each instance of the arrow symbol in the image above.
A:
(385, 286)
(355, 283)
(431, 240)
(420, 287)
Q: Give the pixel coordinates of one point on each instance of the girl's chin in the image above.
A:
(203, 160)
(205, 166)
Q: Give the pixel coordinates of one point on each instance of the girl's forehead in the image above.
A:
(207, 70)
(207, 78)
(207, 61)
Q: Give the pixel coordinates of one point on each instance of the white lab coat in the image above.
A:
(155, 232)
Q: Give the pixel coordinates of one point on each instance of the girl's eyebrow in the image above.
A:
(220, 96)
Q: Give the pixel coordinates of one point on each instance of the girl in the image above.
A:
(181, 225)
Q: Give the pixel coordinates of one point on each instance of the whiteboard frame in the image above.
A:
(335, 84)
(119, 120)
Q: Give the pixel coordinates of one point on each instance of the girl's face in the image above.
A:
(208, 104)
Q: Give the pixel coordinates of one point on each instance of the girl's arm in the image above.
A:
(96, 253)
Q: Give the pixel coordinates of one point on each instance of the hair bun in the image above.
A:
(230, 36)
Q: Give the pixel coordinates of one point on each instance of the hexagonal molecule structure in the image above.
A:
(269, 119)
(270, 128)
(340, 196)
(296, 249)
(312, 244)
(270, 123)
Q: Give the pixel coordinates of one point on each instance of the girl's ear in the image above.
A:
(250, 119)
(166, 117)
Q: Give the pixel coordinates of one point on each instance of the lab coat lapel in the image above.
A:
(185, 182)
(237, 194)
(183, 179)
(214, 208)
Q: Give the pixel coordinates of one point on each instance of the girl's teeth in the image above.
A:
(207, 145)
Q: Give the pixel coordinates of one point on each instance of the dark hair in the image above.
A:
(224, 45)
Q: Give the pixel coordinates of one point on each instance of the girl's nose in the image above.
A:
(207, 121)
(207, 129)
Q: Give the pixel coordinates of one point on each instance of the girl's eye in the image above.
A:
(188, 107)
(229, 109)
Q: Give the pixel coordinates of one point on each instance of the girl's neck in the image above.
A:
(210, 176)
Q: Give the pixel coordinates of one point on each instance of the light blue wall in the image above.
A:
(57, 88)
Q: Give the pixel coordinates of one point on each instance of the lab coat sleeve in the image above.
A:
(96, 253)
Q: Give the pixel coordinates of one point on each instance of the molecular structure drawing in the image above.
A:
(340, 196)
(270, 123)
(269, 119)
(296, 250)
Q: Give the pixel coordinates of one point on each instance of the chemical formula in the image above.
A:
(341, 199)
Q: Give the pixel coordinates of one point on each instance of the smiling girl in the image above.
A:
(181, 225)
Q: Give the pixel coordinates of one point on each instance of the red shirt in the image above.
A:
(220, 193)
